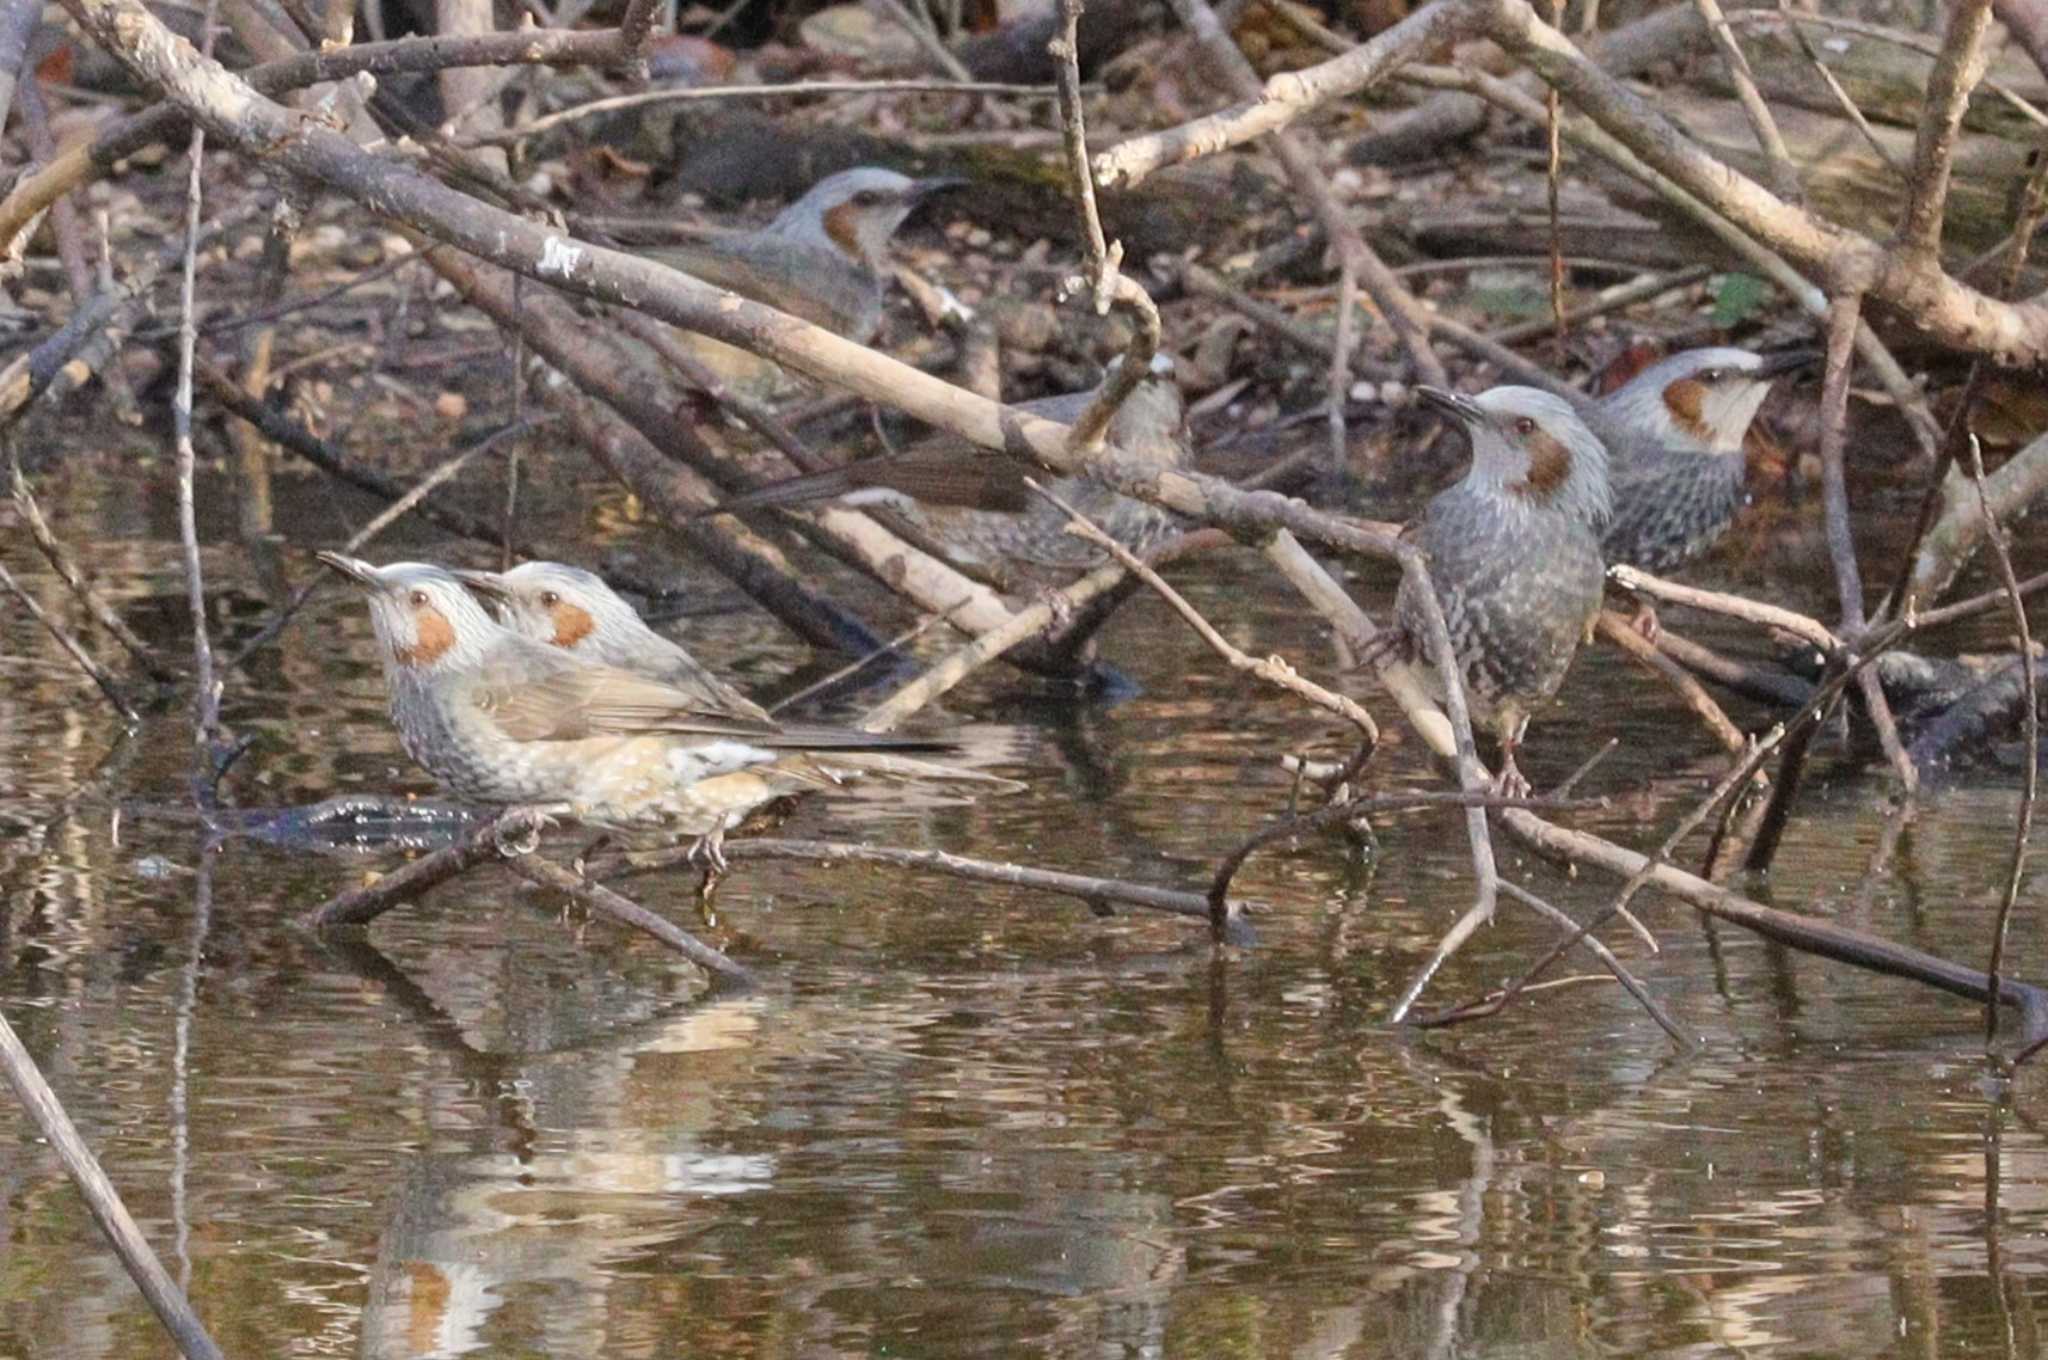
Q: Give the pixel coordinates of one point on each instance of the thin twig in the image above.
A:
(1807, 629)
(1827, 76)
(206, 702)
(61, 562)
(71, 645)
(1101, 275)
(1844, 316)
(926, 38)
(2030, 728)
(1644, 653)
(1339, 380)
(1092, 890)
(1778, 167)
(627, 912)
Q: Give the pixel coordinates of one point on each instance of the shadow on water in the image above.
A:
(961, 1120)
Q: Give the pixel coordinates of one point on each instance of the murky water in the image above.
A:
(963, 1120)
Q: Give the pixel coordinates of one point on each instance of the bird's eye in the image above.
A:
(420, 599)
(867, 198)
(548, 599)
(1525, 427)
(1712, 376)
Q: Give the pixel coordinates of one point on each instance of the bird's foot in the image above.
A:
(1510, 782)
(709, 849)
(530, 821)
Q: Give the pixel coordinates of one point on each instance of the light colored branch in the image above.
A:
(1287, 96)
(1783, 174)
(1956, 72)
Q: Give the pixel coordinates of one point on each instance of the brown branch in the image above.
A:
(626, 912)
(1808, 630)
(1644, 653)
(1777, 159)
(1956, 72)
(1285, 97)
(1092, 890)
(2030, 727)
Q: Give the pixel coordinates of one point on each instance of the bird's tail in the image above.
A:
(888, 765)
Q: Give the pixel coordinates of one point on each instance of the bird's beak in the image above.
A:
(1454, 404)
(1787, 361)
(921, 189)
(488, 584)
(354, 568)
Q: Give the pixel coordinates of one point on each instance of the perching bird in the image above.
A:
(1513, 550)
(499, 718)
(824, 258)
(1674, 437)
(973, 505)
(573, 609)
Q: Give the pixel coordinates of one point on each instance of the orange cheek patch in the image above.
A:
(839, 225)
(436, 636)
(1686, 400)
(572, 625)
(1549, 464)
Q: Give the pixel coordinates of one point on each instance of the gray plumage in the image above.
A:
(972, 503)
(570, 608)
(824, 258)
(1675, 434)
(501, 719)
(1513, 551)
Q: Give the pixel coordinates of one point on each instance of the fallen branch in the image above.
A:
(165, 1299)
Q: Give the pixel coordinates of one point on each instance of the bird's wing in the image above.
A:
(572, 702)
(742, 265)
(548, 697)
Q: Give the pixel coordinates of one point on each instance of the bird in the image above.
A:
(498, 718)
(972, 504)
(1674, 435)
(572, 609)
(824, 258)
(1513, 552)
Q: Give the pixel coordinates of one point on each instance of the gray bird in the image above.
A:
(972, 503)
(499, 718)
(1513, 550)
(1674, 435)
(824, 258)
(573, 609)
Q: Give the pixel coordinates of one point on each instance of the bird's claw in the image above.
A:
(709, 850)
(528, 840)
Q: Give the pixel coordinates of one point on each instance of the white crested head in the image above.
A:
(855, 212)
(1532, 449)
(426, 623)
(1701, 400)
(567, 607)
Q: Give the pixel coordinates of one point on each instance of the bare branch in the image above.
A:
(1956, 72)
(1783, 174)
(71, 645)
